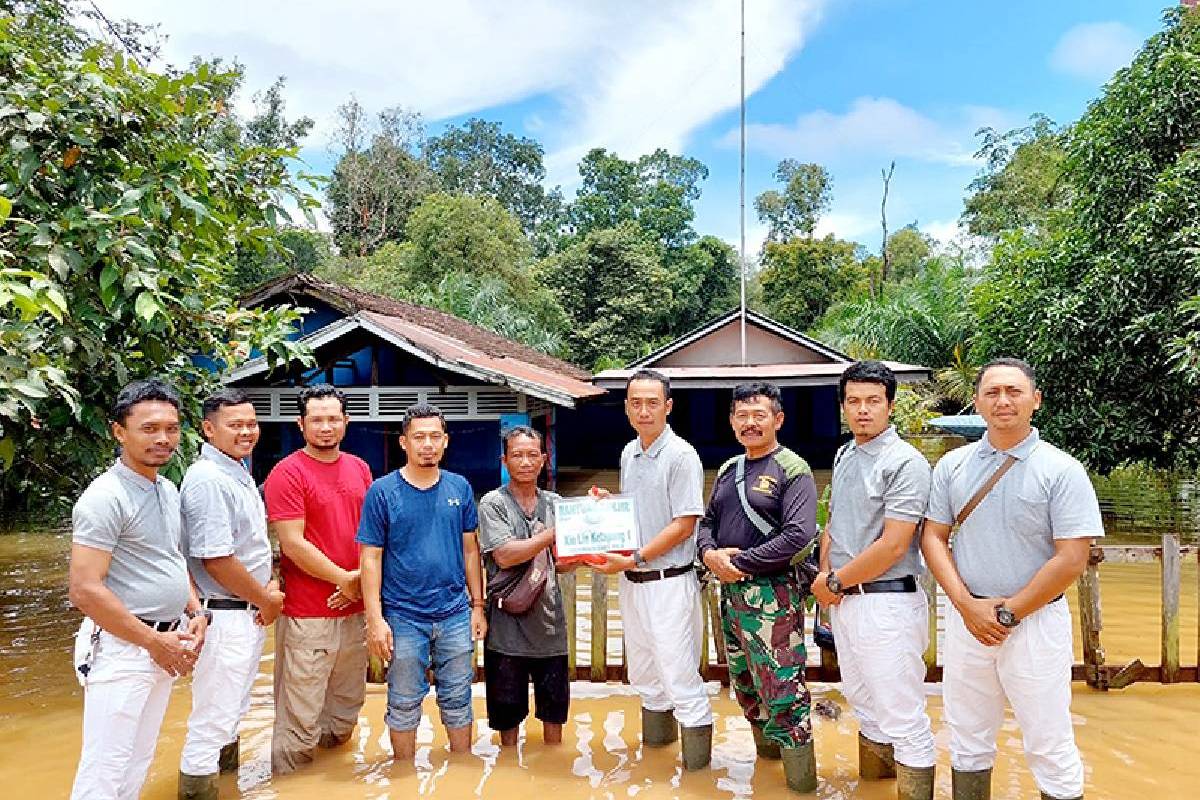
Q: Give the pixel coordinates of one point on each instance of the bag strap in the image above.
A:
(756, 519)
(988, 485)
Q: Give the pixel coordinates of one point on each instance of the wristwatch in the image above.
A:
(203, 612)
(833, 582)
(638, 559)
(1006, 617)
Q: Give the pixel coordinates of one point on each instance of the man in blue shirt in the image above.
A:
(419, 559)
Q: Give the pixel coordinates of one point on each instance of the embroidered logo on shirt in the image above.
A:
(765, 485)
(453, 501)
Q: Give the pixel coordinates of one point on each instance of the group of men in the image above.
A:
(180, 582)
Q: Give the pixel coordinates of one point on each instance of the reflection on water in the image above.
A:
(1140, 503)
(1131, 739)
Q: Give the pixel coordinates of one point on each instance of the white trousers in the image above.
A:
(663, 629)
(1032, 669)
(125, 696)
(881, 641)
(221, 684)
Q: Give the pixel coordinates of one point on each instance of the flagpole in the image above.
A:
(742, 185)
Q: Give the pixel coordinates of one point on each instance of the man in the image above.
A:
(229, 556)
(129, 579)
(659, 593)
(1025, 538)
(516, 523)
(422, 585)
(314, 499)
(762, 598)
(869, 566)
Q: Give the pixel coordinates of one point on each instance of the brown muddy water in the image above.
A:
(1137, 743)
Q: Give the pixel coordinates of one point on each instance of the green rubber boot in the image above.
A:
(227, 761)
(764, 746)
(876, 761)
(696, 747)
(658, 728)
(800, 768)
(914, 783)
(197, 787)
(975, 785)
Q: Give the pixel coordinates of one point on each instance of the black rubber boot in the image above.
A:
(197, 787)
(876, 761)
(975, 785)
(1052, 797)
(800, 768)
(696, 747)
(227, 761)
(764, 746)
(914, 783)
(659, 728)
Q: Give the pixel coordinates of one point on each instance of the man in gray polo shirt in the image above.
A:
(659, 594)
(1008, 634)
(229, 555)
(129, 579)
(869, 565)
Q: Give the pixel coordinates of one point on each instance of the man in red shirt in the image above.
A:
(314, 498)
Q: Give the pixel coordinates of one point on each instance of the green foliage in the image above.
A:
(801, 278)
(294, 250)
(466, 234)
(914, 408)
(909, 251)
(1101, 304)
(704, 284)
(126, 196)
(794, 211)
(1021, 186)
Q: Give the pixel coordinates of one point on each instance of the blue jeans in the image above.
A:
(448, 646)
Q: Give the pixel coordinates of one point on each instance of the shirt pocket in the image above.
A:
(1029, 514)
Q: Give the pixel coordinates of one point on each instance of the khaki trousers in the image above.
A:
(320, 685)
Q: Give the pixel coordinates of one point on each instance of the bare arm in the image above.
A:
(979, 615)
(87, 592)
(231, 574)
(1055, 577)
(820, 588)
(379, 633)
(885, 551)
(518, 551)
(474, 584)
(305, 555)
(675, 532)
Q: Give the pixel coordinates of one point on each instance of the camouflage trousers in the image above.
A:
(763, 623)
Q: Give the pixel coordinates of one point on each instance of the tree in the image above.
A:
(478, 159)
(465, 234)
(704, 284)
(909, 251)
(1021, 184)
(801, 278)
(122, 204)
(379, 177)
(794, 211)
(614, 291)
(1101, 303)
(294, 250)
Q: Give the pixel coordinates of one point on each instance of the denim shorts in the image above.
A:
(447, 647)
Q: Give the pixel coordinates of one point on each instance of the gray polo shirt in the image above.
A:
(667, 481)
(223, 514)
(885, 478)
(1010, 535)
(137, 521)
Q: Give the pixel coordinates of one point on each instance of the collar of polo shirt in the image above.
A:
(138, 481)
(879, 443)
(231, 466)
(1020, 452)
(657, 445)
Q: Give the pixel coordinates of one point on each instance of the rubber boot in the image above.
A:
(197, 787)
(658, 728)
(975, 785)
(914, 783)
(876, 761)
(800, 768)
(764, 746)
(227, 761)
(696, 747)
(1052, 797)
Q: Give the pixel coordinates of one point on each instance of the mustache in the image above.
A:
(745, 431)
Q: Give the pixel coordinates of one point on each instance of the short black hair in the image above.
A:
(521, 430)
(316, 393)
(868, 372)
(651, 375)
(421, 411)
(142, 391)
(1021, 364)
(227, 396)
(748, 391)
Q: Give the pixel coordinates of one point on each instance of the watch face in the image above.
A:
(1006, 617)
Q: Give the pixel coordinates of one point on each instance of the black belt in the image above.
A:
(982, 597)
(223, 604)
(906, 584)
(161, 627)
(647, 575)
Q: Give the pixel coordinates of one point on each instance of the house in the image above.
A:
(387, 355)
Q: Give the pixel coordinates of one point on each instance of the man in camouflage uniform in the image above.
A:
(749, 544)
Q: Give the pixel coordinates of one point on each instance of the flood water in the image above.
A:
(1134, 741)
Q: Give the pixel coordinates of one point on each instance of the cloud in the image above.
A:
(846, 225)
(1095, 50)
(877, 127)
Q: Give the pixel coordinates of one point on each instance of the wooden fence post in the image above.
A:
(929, 584)
(1171, 574)
(599, 627)
(566, 587)
(1090, 623)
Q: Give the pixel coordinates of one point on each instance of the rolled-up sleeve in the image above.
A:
(907, 494)
(207, 520)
